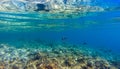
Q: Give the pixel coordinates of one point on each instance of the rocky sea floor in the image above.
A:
(55, 56)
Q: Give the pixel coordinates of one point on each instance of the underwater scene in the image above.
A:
(60, 34)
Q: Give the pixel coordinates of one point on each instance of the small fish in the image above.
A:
(64, 38)
(84, 43)
(105, 50)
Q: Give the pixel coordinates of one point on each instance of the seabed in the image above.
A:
(55, 56)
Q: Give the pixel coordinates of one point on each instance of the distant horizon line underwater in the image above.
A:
(59, 34)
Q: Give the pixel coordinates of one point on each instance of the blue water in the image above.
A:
(96, 30)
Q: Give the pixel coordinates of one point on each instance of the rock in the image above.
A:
(67, 63)
(80, 60)
(90, 64)
(49, 67)
(84, 67)
(15, 67)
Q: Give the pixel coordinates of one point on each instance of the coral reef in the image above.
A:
(53, 57)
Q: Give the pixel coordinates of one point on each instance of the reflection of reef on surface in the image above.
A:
(54, 56)
(49, 5)
(58, 5)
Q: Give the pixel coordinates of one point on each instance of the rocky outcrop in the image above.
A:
(50, 56)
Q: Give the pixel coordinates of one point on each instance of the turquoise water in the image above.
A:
(95, 34)
(100, 29)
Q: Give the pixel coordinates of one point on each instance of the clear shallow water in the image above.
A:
(100, 29)
(93, 34)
